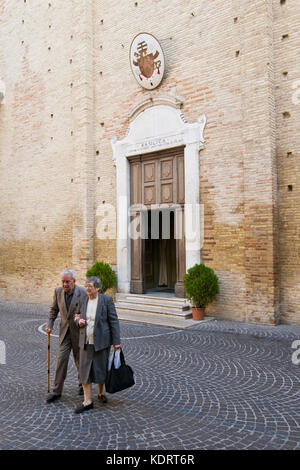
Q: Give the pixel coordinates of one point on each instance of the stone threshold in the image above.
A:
(159, 319)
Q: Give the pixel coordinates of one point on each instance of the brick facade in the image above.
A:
(69, 90)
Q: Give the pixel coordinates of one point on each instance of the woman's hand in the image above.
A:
(81, 322)
(117, 346)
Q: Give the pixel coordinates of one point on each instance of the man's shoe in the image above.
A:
(53, 397)
(102, 398)
(83, 408)
(80, 391)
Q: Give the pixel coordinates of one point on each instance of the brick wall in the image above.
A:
(44, 144)
(287, 76)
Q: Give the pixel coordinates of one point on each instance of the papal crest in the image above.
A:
(147, 60)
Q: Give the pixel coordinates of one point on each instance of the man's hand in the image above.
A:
(48, 330)
(117, 346)
(81, 322)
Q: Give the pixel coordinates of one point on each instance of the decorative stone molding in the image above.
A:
(172, 101)
(156, 124)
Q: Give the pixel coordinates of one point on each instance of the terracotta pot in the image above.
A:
(198, 313)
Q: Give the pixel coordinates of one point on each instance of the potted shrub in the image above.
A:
(105, 273)
(202, 286)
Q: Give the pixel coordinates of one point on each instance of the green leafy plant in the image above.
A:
(201, 285)
(105, 273)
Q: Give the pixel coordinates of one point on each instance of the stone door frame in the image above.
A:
(155, 125)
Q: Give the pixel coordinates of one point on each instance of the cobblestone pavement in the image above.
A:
(217, 385)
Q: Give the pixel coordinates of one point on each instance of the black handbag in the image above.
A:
(121, 378)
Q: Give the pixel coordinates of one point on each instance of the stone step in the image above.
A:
(154, 309)
(170, 302)
(161, 320)
(162, 307)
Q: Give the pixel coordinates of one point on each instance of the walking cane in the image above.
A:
(48, 362)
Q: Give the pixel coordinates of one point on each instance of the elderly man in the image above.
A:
(67, 300)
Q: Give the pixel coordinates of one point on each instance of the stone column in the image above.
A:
(192, 199)
(123, 204)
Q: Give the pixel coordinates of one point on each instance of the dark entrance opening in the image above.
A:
(160, 251)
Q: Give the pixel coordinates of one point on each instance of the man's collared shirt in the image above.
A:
(68, 299)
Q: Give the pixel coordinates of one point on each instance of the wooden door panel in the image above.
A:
(180, 180)
(149, 172)
(149, 195)
(135, 180)
(166, 169)
(166, 193)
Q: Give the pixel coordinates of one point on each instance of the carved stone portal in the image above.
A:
(156, 125)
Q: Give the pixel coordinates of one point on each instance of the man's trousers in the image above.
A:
(62, 362)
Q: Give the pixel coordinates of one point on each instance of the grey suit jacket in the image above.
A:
(67, 318)
(106, 328)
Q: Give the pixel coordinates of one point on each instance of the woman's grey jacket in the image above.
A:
(106, 328)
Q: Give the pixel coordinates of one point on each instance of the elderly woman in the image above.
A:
(99, 329)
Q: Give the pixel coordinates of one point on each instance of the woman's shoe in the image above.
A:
(102, 398)
(83, 408)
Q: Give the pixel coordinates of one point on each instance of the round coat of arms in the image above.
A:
(147, 60)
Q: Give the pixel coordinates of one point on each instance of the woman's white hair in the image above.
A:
(69, 272)
(96, 282)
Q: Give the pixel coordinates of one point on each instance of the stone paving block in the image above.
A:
(222, 385)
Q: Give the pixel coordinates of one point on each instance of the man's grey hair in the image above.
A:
(96, 282)
(69, 272)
